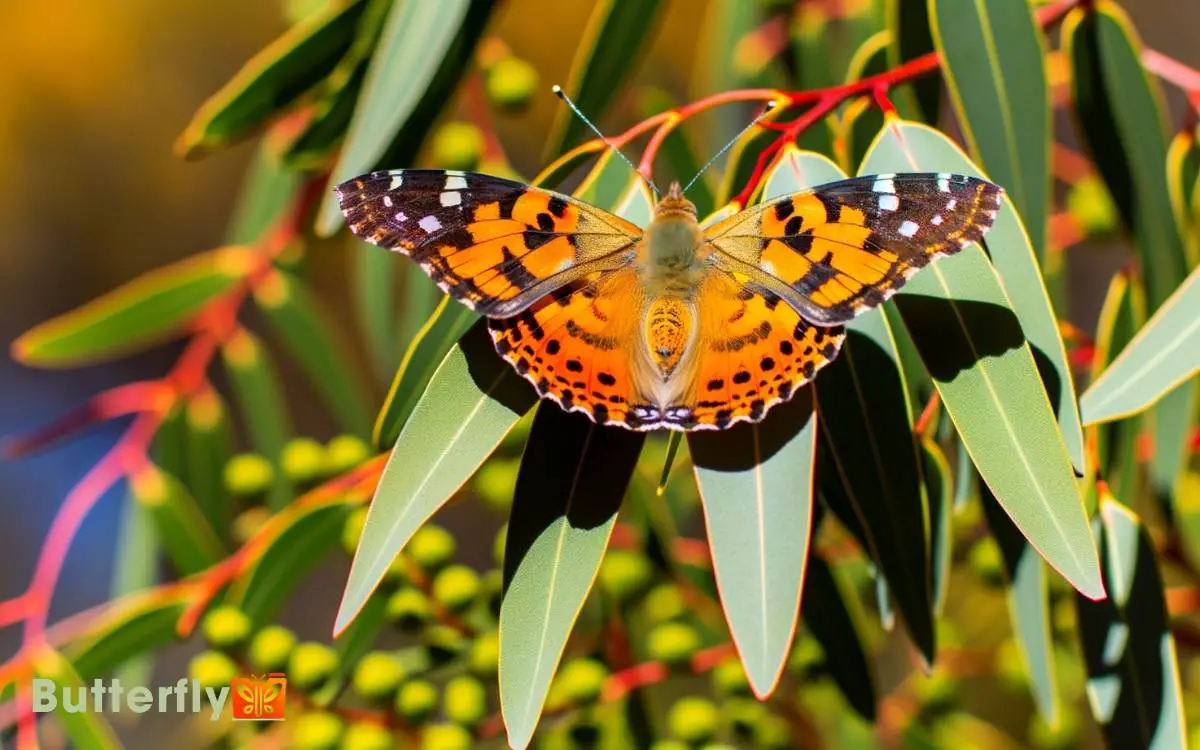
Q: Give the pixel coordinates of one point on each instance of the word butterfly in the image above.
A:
(670, 325)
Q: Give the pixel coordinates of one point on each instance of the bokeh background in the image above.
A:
(92, 95)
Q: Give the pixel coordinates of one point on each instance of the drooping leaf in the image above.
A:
(304, 328)
(273, 78)
(137, 625)
(972, 343)
(604, 58)
(135, 316)
(136, 568)
(180, 526)
(911, 37)
(1133, 685)
(209, 447)
(756, 486)
(573, 476)
(1028, 606)
(422, 52)
(994, 63)
(1163, 354)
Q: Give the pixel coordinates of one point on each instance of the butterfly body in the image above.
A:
(674, 325)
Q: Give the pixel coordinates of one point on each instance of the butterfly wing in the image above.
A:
(493, 244)
(577, 345)
(848, 246)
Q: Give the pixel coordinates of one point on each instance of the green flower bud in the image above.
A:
(1090, 203)
(225, 627)
(484, 654)
(416, 700)
(1065, 737)
(431, 547)
(303, 461)
(985, 560)
(493, 590)
(937, 693)
(584, 733)
(498, 546)
(673, 643)
(457, 587)
(807, 657)
(464, 700)
(693, 720)
(310, 664)
(579, 682)
(664, 602)
(248, 475)
(248, 523)
(744, 716)
(669, 745)
(366, 736)
(729, 679)
(344, 453)
(270, 648)
(774, 733)
(212, 669)
(511, 83)
(316, 731)
(1010, 666)
(625, 573)
(458, 145)
(352, 529)
(495, 480)
(446, 737)
(409, 609)
(443, 643)
(377, 675)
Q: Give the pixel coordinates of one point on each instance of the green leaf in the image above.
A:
(373, 280)
(911, 37)
(604, 58)
(1163, 354)
(136, 569)
(310, 337)
(1121, 316)
(572, 479)
(450, 320)
(209, 445)
(267, 190)
(273, 78)
(88, 730)
(961, 320)
(830, 623)
(1133, 685)
(353, 643)
(189, 541)
(472, 401)
(1028, 606)
(994, 63)
(939, 487)
(422, 52)
(756, 485)
(295, 547)
(259, 394)
(151, 309)
(139, 624)
(862, 119)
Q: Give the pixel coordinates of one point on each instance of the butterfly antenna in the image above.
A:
(563, 95)
(770, 106)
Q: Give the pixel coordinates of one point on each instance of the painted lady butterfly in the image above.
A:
(674, 325)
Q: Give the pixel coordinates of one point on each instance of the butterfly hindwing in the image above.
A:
(493, 244)
(847, 246)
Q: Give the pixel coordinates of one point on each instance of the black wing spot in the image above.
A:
(767, 364)
(574, 365)
(552, 347)
(545, 222)
(741, 377)
(606, 379)
(784, 209)
(557, 206)
(716, 384)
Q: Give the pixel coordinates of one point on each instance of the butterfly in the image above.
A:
(673, 325)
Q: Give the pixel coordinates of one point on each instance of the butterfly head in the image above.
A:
(674, 204)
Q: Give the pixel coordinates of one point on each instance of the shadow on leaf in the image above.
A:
(953, 336)
(739, 449)
(492, 375)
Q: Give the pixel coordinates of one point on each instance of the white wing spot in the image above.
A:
(909, 228)
(430, 224)
(455, 181)
(953, 202)
(944, 182)
(889, 202)
(936, 221)
(451, 199)
(401, 217)
(397, 181)
(387, 201)
(455, 173)
(884, 184)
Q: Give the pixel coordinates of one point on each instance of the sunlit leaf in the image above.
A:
(572, 479)
(259, 394)
(135, 316)
(973, 345)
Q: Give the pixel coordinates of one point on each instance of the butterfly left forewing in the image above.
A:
(493, 244)
(848, 246)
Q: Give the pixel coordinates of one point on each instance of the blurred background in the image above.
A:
(92, 95)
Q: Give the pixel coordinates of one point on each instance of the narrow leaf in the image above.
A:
(911, 37)
(85, 729)
(190, 543)
(572, 479)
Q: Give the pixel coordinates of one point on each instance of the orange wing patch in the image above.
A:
(493, 244)
(850, 245)
(575, 345)
(754, 351)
